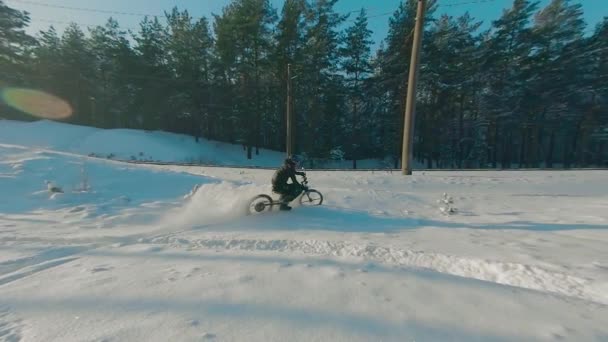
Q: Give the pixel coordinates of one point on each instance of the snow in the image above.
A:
(150, 146)
(128, 144)
(166, 253)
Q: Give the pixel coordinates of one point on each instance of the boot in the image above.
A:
(284, 206)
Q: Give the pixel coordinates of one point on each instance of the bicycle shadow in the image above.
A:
(323, 218)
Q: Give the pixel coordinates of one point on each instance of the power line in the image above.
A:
(465, 3)
(67, 23)
(439, 5)
(136, 14)
(95, 10)
(139, 14)
(84, 9)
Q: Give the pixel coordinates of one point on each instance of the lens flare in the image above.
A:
(36, 103)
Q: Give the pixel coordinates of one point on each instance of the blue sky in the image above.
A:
(43, 16)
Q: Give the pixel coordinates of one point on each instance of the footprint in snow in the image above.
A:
(101, 269)
(209, 336)
(194, 322)
(246, 279)
(154, 249)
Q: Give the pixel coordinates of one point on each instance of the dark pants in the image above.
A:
(288, 192)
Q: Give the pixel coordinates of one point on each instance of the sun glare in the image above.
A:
(37, 103)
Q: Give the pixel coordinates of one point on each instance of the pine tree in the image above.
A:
(450, 71)
(289, 49)
(468, 50)
(203, 51)
(15, 45)
(597, 52)
(559, 30)
(507, 65)
(48, 67)
(356, 63)
(320, 75)
(244, 44)
(114, 61)
(75, 74)
(153, 81)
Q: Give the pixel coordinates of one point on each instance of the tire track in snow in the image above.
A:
(11, 266)
(27, 271)
(13, 270)
(505, 273)
(10, 328)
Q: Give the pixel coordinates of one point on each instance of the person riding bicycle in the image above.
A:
(288, 191)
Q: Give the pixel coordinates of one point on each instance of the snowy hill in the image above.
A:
(157, 146)
(130, 252)
(127, 144)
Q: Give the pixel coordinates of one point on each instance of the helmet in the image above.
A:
(292, 161)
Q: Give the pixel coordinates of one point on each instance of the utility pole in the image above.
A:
(410, 104)
(289, 142)
(93, 118)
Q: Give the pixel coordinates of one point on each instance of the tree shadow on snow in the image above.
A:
(204, 309)
(332, 219)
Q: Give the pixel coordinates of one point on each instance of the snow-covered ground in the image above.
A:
(165, 253)
(148, 146)
(128, 144)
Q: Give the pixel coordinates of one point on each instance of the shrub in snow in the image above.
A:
(51, 187)
(192, 192)
(446, 203)
(387, 164)
(336, 154)
(84, 181)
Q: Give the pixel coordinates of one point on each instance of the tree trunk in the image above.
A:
(460, 131)
(600, 155)
(506, 153)
(572, 148)
(530, 147)
(549, 162)
(258, 118)
(522, 150)
(576, 146)
(495, 146)
(355, 122)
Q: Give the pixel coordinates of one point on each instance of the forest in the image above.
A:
(528, 91)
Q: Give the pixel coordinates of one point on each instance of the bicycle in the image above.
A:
(264, 203)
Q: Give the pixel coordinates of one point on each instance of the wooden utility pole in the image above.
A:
(289, 142)
(93, 118)
(410, 104)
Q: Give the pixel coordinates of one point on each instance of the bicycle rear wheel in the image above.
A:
(259, 204)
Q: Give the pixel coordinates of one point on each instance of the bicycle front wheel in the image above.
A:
(311, 197)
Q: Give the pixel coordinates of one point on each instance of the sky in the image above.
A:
(49, 12)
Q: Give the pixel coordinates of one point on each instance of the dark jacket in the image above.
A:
(280, 177)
